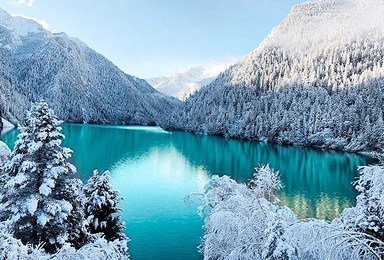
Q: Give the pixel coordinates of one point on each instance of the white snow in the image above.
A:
(4, 151)
(242, 223)
(43, 219)
(31, 205)
(37, 54)
(316, 80)
(7, 126)
(183, 84)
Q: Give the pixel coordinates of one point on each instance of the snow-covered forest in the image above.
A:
(45, 211)
(245, 221)
(316, 80)
(80, 84)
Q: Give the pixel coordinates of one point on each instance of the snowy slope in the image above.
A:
(5, 126)
(183, 84)
(312, 41)
(80, 84)
(316, 80)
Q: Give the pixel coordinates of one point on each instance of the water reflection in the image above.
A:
(155, 169)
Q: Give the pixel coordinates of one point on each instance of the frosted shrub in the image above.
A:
(240, 223)
(265, 183)
(98, 248)
(245, 222)
(368, 215)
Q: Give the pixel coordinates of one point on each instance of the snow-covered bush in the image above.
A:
(241, 223)
(101, 207)
(368, 214)
(12, 248)
(97, 248)
(318, 239)
(245, 222)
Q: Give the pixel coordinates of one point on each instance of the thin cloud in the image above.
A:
(23, 2)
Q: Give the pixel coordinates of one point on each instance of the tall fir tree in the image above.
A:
(101, 207)
(42, 201)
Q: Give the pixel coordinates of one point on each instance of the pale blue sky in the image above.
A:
(147, 38)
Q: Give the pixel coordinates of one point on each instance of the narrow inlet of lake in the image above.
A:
(154, 170)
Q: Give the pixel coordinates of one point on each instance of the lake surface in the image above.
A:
(155, 169)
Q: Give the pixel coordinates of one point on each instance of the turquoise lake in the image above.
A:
(154, 170)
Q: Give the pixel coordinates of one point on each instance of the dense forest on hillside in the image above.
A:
(80, 84)
(309, 83)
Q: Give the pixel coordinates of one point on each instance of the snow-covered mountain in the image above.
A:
(183, 84)
(316, 80)
(80, 84)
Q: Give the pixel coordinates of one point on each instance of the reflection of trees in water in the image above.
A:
(316, 183)
(10, 138)
(324, 206)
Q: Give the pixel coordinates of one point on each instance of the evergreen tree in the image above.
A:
(101, 207)
(42, 199)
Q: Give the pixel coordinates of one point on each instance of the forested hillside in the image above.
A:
(316, 80)
(80, 84)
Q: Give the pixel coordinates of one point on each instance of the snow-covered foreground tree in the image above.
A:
(246, 222)
(101, 207)
(42, 209)
(42, 199)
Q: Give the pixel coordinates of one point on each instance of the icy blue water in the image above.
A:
(155, 169)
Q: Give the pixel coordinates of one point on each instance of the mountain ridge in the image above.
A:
(304, 84)
(79, 83)
(183, 84)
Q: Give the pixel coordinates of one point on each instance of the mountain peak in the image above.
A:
(311, 24)
(3, 14)
(20, 25)
(182, 84)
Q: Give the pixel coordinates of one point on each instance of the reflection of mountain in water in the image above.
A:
(316, 183)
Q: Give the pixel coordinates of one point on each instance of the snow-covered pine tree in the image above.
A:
(42, 198)
(101, 207)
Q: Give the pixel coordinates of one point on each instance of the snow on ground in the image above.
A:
(7, 126)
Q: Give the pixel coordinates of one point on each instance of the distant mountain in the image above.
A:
(316, 80)
(80, 84)
(183, 84)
